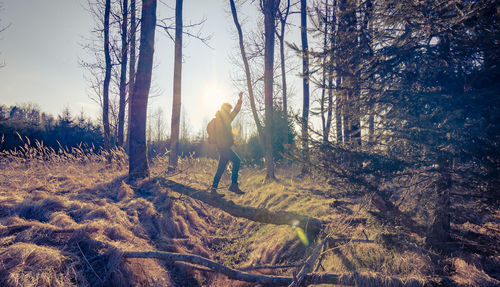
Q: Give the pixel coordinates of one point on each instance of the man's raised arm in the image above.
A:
(237, 108)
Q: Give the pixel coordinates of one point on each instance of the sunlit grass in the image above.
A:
(84, 191)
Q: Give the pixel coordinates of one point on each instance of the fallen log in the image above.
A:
(313, 278)
(312, 226)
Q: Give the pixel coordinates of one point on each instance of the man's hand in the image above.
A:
(240, 95)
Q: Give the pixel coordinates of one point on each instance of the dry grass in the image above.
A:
(63, 222)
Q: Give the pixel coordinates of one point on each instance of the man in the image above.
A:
(224, 141)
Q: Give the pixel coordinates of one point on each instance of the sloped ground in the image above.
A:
(65, 222)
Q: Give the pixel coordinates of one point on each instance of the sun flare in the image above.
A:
(213, 97)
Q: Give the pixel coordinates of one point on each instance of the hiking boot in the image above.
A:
(234, 188)
(213, 192)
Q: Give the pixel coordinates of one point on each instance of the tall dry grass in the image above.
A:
(65, 216)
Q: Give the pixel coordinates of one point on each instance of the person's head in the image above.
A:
(226, 108)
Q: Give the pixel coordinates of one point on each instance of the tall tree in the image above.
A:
(123, 73)
(327, 74)
(269, 8)
(107, 77)
(338, 74)
(131, 71)
(138, 160)
(260, 129)
(305, 85)
(283, 16)
(176, 104)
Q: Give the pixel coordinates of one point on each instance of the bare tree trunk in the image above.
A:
(281, 38)
(305, 85)
(123, 74)
(138, 160)
(260, 130)
(107, 77)
(327, 74)
(131, 71)
(330, 101)
(176, 105)
(338, 110)
(323, 77)
(338, 75)
(366, 42)
(269, 7)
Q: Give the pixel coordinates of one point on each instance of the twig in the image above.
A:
(308, 265)
(336, 240)
(248, 268)
(88, 263)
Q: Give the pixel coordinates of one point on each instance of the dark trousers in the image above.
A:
(227, 154)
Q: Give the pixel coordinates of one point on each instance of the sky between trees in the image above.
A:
(44, 43)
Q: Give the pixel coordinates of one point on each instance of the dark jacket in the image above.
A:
(223, 130)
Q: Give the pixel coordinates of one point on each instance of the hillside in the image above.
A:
(67, 222)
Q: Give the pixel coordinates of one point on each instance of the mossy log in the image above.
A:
(312, 226)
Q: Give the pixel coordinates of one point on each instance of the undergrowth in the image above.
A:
(66, 215)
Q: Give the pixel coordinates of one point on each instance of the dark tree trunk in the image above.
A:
(327, 76)
(138, 160)
(348, 58)
(439, 231)
(176, 104)
(338, 111)
(131, 71)
(260, 129)
(123, 74)
(107, 77)
(338, 75)
(281, 38)
(305, 86)
(269, 7)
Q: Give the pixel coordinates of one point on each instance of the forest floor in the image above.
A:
(65, 222)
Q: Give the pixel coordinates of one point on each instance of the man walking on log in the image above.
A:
(222, 136)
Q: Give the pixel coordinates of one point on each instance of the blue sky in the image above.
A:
(42, 46)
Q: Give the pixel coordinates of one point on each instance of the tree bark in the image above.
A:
(269, 8)
(176, 102)
(123, 74)
(251, 96)
(305, 86)
(107, 77)
(131, 71)
(138, 160)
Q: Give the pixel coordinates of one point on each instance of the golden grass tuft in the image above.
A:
(468, 274)
(25, 264)
(125, 191)
(39, 209)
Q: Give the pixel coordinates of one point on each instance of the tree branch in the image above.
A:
(308, 265)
